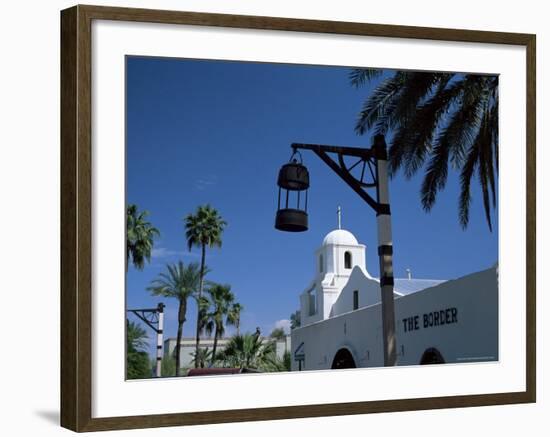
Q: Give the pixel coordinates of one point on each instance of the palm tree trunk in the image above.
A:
(197, 339)
(216, 334)
(238, 323)
(181, 320)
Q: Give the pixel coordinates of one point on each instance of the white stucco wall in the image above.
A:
(187, 348)
(368, 291)
(472, 337)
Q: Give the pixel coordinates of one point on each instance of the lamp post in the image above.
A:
(375, 160)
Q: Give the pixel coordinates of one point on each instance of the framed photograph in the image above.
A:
(270, 218)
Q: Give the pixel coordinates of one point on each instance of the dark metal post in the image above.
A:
(385, 251)
(377, 157)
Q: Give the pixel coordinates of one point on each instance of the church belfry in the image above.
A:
(335, 260)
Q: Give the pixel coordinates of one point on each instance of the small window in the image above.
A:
(312, 304)
(321, 263)
(356, 299)
(347, 260)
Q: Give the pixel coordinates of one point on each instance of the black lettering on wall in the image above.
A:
(454, 315)
(435, 318)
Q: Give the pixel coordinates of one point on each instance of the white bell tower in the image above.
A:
(336, 258)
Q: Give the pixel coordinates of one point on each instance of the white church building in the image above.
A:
(437, 321)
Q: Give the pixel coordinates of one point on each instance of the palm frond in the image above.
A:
(466, 122)
(485, 169)
(493, 127)
(140, 235)
(435, 177)
(360, 76)
(204, 228)
(179, 281)
(136, 336)
(433, 120)
(416, 89)
(452, 143)
(465, 181)
(413, 140)
(379, 103)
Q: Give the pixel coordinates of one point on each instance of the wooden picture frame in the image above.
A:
(76, 217)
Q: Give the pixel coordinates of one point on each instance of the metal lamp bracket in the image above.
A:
(367, 157)
(150, 316)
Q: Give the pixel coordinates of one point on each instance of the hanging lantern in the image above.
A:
(293, 184)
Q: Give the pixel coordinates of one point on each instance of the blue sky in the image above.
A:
(217, 132)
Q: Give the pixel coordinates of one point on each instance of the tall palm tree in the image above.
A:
(437, 119)
(248, 351)
(179, 282)
(222, 298)
(203, 229)
(140, 235)
(234, 316)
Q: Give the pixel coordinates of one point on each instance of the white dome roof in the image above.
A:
(340, 236)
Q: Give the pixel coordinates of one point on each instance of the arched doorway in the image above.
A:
(432, 356)
(343, 360)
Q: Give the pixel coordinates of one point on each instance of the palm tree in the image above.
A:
(276, 364)
(278, 334)
(234, 316)
(206, 323)
(248, 351)
(137, 359)
(168, 365)
(222, 298)
(136, 336)
(179, 282)
(437, 118)
(202, 357)
(203, 229)
(140, 235)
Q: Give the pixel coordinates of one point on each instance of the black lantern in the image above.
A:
(293, 180)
